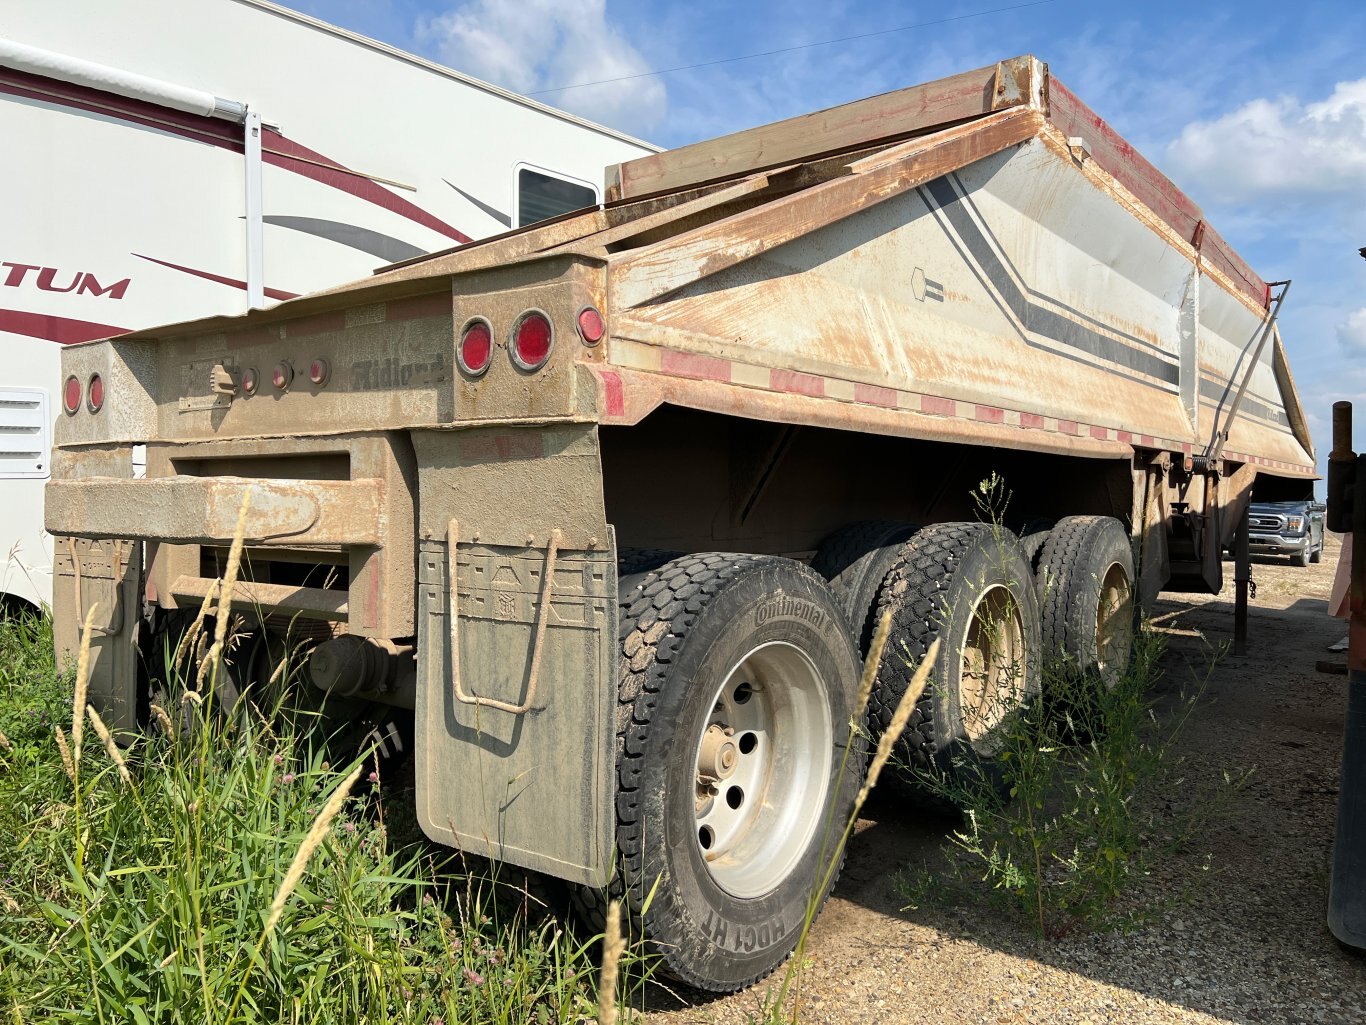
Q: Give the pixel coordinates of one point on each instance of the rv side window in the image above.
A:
(25, 433)
(541, 195)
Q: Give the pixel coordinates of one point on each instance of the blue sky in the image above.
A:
(1257, 110)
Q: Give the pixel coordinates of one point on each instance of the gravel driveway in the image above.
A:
(1236, 931)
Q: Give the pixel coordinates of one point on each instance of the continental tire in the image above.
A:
(967, 585)
(737, 688)
(1086, 595)
(856, 560)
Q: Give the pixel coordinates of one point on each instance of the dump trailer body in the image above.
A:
(972, 274)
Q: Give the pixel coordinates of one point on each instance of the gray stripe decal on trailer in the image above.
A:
(1036, 318)
(377, 244)
(1219, 394)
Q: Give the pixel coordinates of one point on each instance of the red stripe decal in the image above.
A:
(940, 407)
(792, 381)
(1100, 434)
(1069, 427)
(273, 293)
(1031, 421)
(614, 398)
(875, 396)
(690, 364)
(991, 414)
(62, 330)
(1145, 441)
(502, 447)
(1186, 448)
(323, 323)
(301, 160)
(439, 305)
(1124, 436)
(288, 155)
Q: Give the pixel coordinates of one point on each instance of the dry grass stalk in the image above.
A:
(316, 834)
(82, 686)
(873, 661)
(5, 745)
(102, 731)
(900, 717)
(163, 720)
(192, 633)
(206, 660)
(220, 634)
(67, 763)
(613, 946)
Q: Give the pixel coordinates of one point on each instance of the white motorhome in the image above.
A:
(173, 159)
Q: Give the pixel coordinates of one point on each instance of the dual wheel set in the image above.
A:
(736, 762)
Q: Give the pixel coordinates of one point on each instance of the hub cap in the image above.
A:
(1114, 622)
(762, 769)
(991, 683)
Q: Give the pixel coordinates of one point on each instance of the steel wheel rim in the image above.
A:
(762, 764)
(991, 679)
(1114, 620)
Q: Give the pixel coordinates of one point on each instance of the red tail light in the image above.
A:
(531, 340)
(71, 395)
(319, 371)
(249, 381)
(475, 351)
(591, 327)
(94, 395)
(282, 376)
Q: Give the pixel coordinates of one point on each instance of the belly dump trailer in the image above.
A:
(609, 502)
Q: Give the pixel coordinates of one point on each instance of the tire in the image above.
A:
(723, 916)
(951, 582)
(1317, 557)
(1031, 546)
(855, 561)
(1301, 559)
(1086, 596)
(641, 560)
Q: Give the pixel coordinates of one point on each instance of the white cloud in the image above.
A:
(538, 44)
(1271, 149)
(1352, 333)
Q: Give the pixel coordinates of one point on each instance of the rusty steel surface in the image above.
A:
(192, 510)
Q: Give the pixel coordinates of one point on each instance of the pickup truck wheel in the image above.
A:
(737, 689)
(1318, 553)
(856, 560)
(1086, 595)
(1301, 558)
(968, 585)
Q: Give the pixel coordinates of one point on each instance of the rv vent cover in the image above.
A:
(25, 433)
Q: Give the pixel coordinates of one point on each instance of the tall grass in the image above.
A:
(166, 894)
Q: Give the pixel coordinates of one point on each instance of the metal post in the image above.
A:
(1242, 575)
(256, 275)
(1347, 885)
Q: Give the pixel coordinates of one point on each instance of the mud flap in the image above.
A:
(103, 575)
(526, 787)
(516, 689)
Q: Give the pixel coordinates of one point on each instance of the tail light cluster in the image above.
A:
(92, 391)
(529, 344)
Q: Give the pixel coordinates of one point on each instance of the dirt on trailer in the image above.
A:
(1236, 930)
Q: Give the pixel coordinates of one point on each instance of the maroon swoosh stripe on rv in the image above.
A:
(273, 293)
(62, 330)
(275, 148)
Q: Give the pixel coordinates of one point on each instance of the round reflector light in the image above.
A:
(531, 340)
(250, 379)
(71, 395)
(283, 375)
(476, 348)
(319, 371)
(591, 327)
(94, 393)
